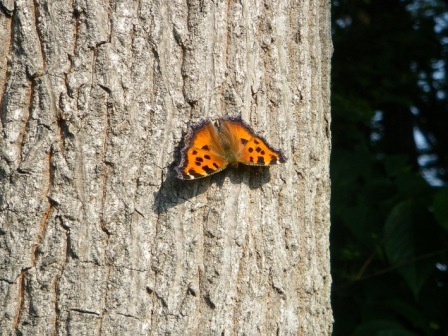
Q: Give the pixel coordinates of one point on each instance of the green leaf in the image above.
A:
(400, 246)
(396, 165)
(411, 313)
(382, 328)
(441, 208)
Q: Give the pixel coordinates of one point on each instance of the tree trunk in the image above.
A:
(97, 236)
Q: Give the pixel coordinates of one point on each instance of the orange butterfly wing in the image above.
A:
(250, 149)
(202, 154)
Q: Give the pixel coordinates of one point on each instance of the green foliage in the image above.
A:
(389, 235)
(441, 208)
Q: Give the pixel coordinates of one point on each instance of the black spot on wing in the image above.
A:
(260, 159)
(208, 170)
(251, 149)
(215, 165)
(258, 149)
(192, 172)
(194, 152)
(199, 159)
(244, 141)
(273, 159)
(206, 147)
(207, 157)
(251, 159)
(256, 141)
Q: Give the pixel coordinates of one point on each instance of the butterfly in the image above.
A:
(209, 148)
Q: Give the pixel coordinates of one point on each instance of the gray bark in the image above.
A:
(97, 237)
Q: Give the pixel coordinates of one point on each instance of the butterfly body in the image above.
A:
(210, 148)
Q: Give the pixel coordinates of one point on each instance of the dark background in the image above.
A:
(389, 167)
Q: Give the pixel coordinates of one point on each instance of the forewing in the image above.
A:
(202, 154)
(251, 149)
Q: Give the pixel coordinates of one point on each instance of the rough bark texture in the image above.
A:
(96, 235)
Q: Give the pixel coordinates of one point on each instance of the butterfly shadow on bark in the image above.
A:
(174, 191)
(207, 149)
